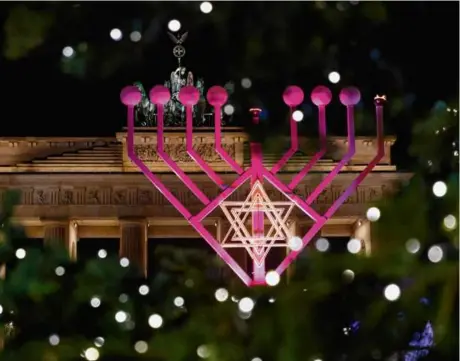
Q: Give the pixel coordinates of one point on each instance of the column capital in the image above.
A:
(55, 221)
(132, 220)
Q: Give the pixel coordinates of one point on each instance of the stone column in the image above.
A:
(61, 233)
(362, 231)
(133, 242)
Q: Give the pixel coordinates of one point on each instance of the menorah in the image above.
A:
(257, 239)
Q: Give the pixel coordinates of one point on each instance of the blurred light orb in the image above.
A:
(99, 341)
(123, 298)
(20, 253)
(354, 245)
(392, 292)
(59, 271)
(54, 340)
(221, 295)
(373, 214)
(68, 52)
(435, 254)
(271, 300)
(141, 347)
(246, 304)
(203, 351)
(155, 321)
(174, 25)
(334, 77)
(256, 359)
(297, 115)
(272, 278)
(124, 262)
(413, 245)
(121, 316)
(205, 7)
(450, 222)
(102, 253)
(349, 275)
(1, 309)
(246, 83)
(322, 244)
(116, 34)
(179, 301)
(144, 290)
(95, 302)
(295, 243)
(439, 189)
(91, 354)
(229, 109)
(135, 36)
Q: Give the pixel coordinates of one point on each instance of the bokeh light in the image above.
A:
(205, 7)
(174, 25)
(334, 77)
(116, 34)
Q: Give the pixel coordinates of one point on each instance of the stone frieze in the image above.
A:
(149, 196)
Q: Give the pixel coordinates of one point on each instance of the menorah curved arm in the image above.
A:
(165, 156)
(189, 96)
(380, 154)
(292, 96)
(321, 96)
(349, 97)
(217, 97)
(131, 96)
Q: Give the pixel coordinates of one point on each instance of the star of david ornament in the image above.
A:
(257, 242)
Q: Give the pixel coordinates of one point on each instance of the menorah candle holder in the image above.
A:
(257, 241)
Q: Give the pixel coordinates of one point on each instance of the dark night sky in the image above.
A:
(419, 38)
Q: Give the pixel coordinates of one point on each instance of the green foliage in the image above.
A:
(25, 29)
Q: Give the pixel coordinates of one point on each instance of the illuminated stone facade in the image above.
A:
(74, 188)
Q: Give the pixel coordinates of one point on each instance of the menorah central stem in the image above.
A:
(258, 231)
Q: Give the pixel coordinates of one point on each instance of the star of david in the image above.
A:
(179, 51)
(257, 242)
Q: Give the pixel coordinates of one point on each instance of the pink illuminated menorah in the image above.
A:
(257, 241)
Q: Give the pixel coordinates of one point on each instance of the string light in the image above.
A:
(450, 222)
(297, 115)
(99, 341)
(54, 340)
(102, 253)
(121, 316)
(116, 34)
(435, 254)
(155, 321)
(203, 351)
(174, 25)
(206, 7)
(135, 36)
(272, 278)
(59, 271)
(91, 354)
(20, 253)
(439, 189)
(246, 304)
(334, 77)
(124, 262)
(412, 245)
(68, 52)
(144, 290)
(295, 243)
(354, 245)
(179, 302)
(322, 244)
(392, 292)
(95, 302)
(221, 295)
(229, 109)
(141, 347)
(373, 214)
(246, 83)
